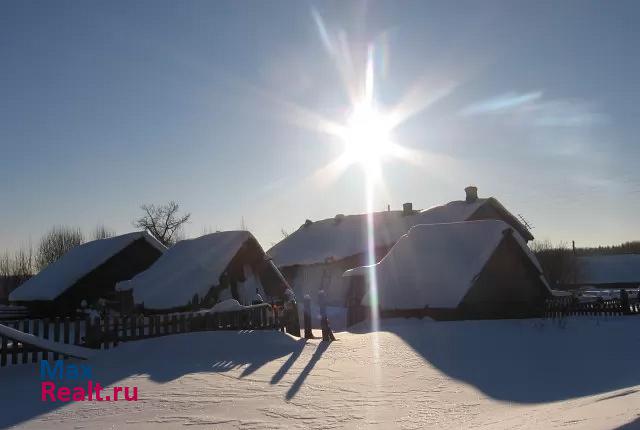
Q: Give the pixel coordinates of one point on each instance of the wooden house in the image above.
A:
(88, 273)
(316, 255)
(198, 273)
(473, 269)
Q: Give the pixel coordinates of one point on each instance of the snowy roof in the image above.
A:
(54, 279)
(435, 265)
(609, 269)
(345, 236)
(189, 267)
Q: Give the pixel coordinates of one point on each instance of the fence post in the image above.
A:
(14, 347)
(116, 331)
(108, 334)
(76, 331)
(182, 323)
(45, 334)
(3, 351)
(141, 327)
(308, 332)
(327, 334)
(56, 336)
(36, 333)
(66, 330)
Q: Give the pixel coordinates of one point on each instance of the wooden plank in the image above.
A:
(56, 336)
(88, 333)
(183, 327)
(133, 324)
(174, 324)
(45, 334)
(152, 325)
(3, 351)
(66, 330)
(141, 324)
(36, 333)
(14, 346)
(107, 332)
(165, 324)
(25, 350)
(76, 332)
(116, 331)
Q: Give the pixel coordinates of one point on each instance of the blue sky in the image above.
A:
(109, 105)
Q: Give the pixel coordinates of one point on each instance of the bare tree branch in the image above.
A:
(162, 221)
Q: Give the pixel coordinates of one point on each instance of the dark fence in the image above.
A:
(558, 308)
(108, 332)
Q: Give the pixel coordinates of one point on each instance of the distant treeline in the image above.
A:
(558, 263)
(28, 260)
(632, 247)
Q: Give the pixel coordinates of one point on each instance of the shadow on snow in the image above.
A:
(162, 359)
(529, 361)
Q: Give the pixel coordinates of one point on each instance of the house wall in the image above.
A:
(310, 279)
(100, 283)
(508, 286)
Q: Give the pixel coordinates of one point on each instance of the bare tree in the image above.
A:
(557, 261)
(162, 221)
(57, 242)
(102, 232)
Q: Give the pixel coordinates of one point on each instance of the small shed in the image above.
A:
(474, 269)
(87, 272)
(201, 272)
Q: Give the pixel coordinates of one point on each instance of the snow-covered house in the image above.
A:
(201, 272)
(607, 271)
(472, 269)
(316, 255)
(88, 272)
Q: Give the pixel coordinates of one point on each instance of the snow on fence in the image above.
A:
(558, 308)
(109, 332)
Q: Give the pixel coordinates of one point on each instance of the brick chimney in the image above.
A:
(471, 194)
(407, 208)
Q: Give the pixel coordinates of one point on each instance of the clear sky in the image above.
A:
(219, 105)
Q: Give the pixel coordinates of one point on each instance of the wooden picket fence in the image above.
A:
(107, 333)
(558, 308)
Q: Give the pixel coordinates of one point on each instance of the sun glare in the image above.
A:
(367, 137)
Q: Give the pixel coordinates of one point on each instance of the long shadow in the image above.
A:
(295, 387)
(277, 377)
(633, 425)
(529, 361)
(162, 359)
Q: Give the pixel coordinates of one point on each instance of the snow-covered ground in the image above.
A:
(528, 374)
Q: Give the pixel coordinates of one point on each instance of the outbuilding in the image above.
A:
(474, 269)
(198, 273)
(88, 272)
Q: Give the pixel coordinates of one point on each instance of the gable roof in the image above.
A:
(435, 265)
(189, 267)
(343, 237)
(60, 275)
(608, 269)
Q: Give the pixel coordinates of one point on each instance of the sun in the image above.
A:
(367, 137)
